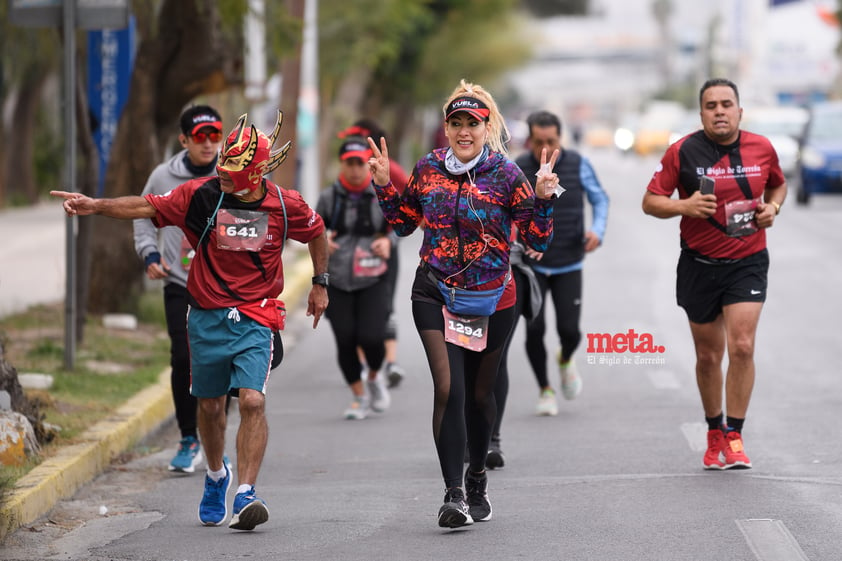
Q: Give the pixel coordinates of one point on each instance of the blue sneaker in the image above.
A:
(213, 509)
(249, 511)
(188, 456)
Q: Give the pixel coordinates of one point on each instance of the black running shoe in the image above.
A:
(394, 374)
(495, 458)
(454, 512)
(476, 489)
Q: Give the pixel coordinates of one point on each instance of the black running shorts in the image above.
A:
(704, 286)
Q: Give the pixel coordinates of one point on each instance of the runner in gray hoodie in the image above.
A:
(167, 256)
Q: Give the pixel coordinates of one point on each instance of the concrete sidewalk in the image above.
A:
(62, 475)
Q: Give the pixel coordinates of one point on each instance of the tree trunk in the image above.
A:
(9, 382)
(338, 113)
(188, 57)
(20, 177)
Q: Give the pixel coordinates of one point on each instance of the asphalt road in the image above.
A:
(615, 476)
(32, 261)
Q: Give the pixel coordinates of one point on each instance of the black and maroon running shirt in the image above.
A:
(240, 256)
(742, 170)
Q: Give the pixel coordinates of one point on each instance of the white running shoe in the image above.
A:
(547, 404)
(358, 409)
(571, 382)
(380, 398)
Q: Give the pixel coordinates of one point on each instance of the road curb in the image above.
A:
(60, 476)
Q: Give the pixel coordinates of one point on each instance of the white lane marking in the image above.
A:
(770, 540)
(664, 379)
(696, 435)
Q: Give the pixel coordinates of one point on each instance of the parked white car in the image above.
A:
(783, 126)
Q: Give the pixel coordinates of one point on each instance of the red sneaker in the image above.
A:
(735, 456)
(716, 445)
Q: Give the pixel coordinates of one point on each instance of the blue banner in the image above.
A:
(110, 61)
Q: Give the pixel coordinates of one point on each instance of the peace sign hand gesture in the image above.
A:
(379, 162)
(546, 181)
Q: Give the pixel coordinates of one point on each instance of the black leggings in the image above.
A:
(358, 319)
(566, 291)
(175, 308)
(464, 407)
(501, 386)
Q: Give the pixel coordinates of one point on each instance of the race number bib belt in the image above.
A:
(739, 215)
(366, 264)
(241, 230)
(242, 227)
(187, 253)
(469, 332)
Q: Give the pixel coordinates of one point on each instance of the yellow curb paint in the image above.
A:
(74, 466)
(60, 476)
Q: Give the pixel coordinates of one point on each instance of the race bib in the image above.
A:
(739, 218)
(468, 332)
(187, 254)
(366, 264)
(241, 230)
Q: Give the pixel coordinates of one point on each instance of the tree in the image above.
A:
(380, 57)
(185, 51)
(29, 60)
(391, 59)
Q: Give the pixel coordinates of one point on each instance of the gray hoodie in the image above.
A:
(168, 241)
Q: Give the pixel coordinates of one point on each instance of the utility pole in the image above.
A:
(309, 105)
(287, 175)
(255, 59)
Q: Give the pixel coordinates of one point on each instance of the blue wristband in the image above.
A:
(153, 257)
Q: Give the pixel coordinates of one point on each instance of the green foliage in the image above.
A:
(26, 49)
(478, 49)
(417, 49)
(365, 34)
(231, 12)
(46, 349)
(151, 309)
(284, 33)
(113, 365)
(49, 155)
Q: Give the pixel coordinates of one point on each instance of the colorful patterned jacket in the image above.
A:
(468, 218)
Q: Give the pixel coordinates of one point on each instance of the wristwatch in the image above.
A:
(322, 279)
(777, 207)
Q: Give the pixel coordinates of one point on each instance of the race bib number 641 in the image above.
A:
(241, 230)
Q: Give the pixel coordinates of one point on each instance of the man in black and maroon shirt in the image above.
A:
(730, 189)
(237, 223)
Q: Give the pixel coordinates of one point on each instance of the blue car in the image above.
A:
(820, 152)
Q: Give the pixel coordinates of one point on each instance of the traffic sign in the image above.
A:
(90, 14)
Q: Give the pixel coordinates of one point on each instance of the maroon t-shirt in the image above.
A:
(239, 258)
(742, 171)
